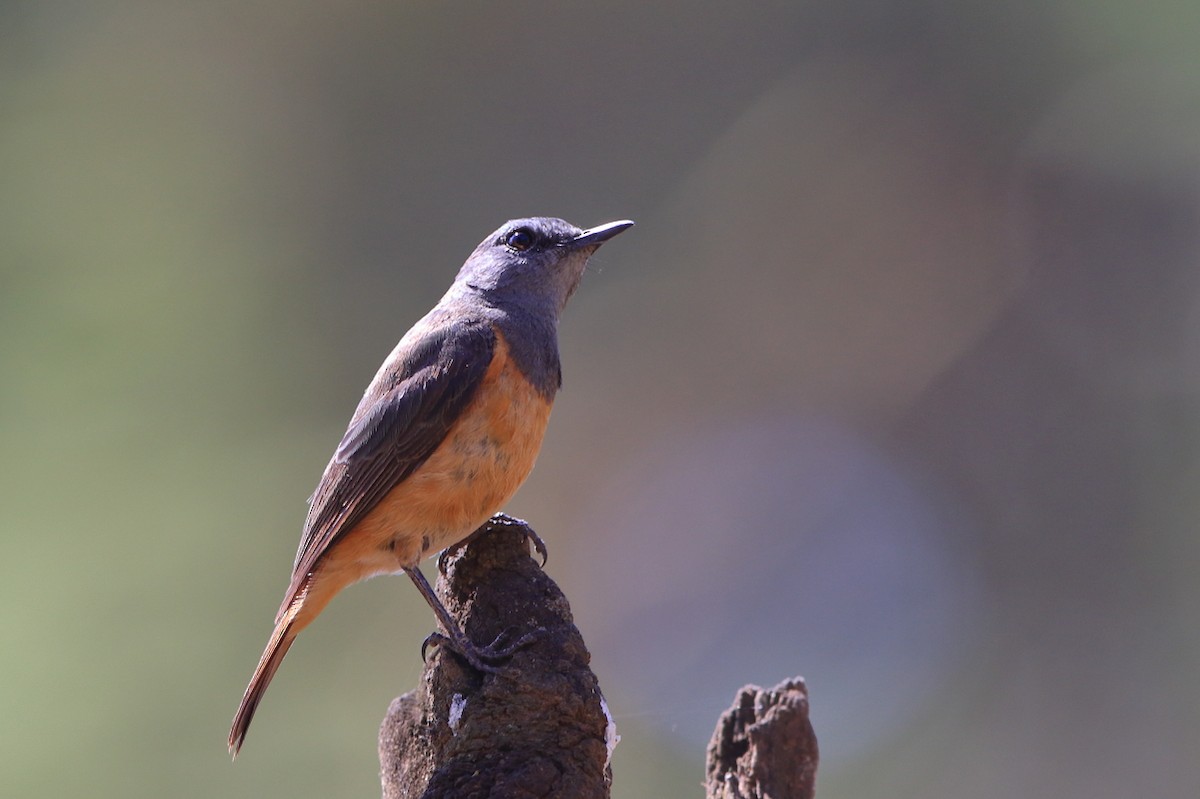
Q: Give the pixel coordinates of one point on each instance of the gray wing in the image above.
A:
(404, 416)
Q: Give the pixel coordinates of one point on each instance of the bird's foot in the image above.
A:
(486, 659)
(499, 520)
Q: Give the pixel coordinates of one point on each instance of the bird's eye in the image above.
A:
(519, 240)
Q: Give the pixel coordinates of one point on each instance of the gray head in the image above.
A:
(534, 264)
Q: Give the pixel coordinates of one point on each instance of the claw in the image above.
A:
(434, 639)
(539, 545)
(504, 520)
(499, 520)
(443, 561)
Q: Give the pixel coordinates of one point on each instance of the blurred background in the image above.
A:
(894, 386)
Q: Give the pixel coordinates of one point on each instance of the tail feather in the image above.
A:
(268, 664)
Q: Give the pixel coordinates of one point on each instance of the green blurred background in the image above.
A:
(893, 386)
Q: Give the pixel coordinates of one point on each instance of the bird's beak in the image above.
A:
(594, 237)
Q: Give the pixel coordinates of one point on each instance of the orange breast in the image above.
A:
(484, 460)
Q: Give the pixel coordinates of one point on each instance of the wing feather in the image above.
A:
(404, 416)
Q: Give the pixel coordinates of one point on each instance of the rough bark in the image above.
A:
(764, 746)
(538, 728)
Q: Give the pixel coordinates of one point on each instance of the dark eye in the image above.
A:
(520, 239)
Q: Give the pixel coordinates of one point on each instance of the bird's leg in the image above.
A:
(482, 658)
(499, 520)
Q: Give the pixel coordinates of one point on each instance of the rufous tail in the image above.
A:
(268, 664)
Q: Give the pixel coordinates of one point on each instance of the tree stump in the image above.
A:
(764, 746)
(539, 727)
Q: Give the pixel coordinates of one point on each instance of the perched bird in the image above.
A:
(444, 435)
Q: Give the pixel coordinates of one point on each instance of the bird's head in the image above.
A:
(533, 263)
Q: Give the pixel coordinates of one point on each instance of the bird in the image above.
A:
(445, 434)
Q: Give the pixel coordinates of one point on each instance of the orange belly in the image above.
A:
(484, 459)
